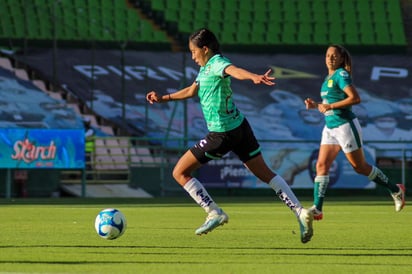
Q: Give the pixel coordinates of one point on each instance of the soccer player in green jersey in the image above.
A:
(342, 130)
(228, 130)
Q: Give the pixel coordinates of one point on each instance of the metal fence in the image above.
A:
(141, 162)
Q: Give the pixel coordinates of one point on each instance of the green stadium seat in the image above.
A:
(158, 4)
(186, 25)
(216, 14)
(234, 26)
(177, 5)
(367, 38)
(290, 12)
(397, 35)
(230, 15)
(320, 39)
(260, 15)
(383, 38)
(394, 13)
(288, 38)
(171, 14)
(242, 37)
(226, 36)
(259, 6)
(336, 33)
(318, 11)
(246, 5)
(258, 33)
(304, 11)
(320, 33)
(275, 11)
(201, 5)
(351, 37)
(213, 26)
(378, 11)
(360, 6)
(245, 16)
(304, 38)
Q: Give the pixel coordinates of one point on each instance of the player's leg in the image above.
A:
(357, 160)
(247, 148)
(327, 154)
(351, 142)
(187, 164)
(260, 169)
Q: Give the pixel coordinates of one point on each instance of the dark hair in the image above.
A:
(205, 37)
(347, 59)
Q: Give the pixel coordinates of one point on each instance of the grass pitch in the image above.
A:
(58, 236)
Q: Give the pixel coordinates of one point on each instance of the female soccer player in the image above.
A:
(228, 130)
(342, 130)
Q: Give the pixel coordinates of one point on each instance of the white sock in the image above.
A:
(200, 195)
(285, 193)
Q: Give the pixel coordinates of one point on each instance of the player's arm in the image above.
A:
(352, 99)
(242, 74)
(188, 92)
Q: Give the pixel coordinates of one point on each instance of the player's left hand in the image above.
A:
(265, 79)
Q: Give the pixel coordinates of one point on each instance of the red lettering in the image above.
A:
(28, 152)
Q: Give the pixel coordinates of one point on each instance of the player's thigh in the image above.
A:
(185, 166)
(327, 154)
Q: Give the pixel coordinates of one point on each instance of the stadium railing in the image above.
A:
(140, 164)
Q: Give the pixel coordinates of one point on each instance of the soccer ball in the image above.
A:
(110, 223)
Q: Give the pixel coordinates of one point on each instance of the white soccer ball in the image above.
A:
(110, 223)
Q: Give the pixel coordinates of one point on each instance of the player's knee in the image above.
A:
(321, 168)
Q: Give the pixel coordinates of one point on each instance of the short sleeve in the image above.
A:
(219, 66)
(345, 79)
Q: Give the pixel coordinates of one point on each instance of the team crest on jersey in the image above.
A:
(344, 74)
(330, 83)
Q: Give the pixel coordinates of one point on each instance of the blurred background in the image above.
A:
(74, 73)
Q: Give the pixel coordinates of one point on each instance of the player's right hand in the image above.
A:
(310, 103)
(152, 97)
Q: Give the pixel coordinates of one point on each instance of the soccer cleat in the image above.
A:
(305, 220)
(212, 221)
(399, 198)
(317, 214)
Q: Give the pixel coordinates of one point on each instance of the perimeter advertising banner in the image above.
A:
(41, 148)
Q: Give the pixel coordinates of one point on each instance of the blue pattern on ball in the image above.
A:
(106, 217)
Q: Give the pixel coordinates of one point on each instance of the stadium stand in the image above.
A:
(292, 23)
(271, 25)
(76, 23)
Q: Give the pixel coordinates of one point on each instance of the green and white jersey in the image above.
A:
(331, 92)
(215, 95)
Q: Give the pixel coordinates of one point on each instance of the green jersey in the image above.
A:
(215, 95)
(331, 92)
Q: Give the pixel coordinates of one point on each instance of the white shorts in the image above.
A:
(348, 136)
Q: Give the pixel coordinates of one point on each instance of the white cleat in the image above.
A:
(317, 214)
(305, 220)
(212, 221)
(399, 197)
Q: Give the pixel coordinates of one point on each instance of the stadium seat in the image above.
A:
(367, 38)
(5, 63)
(382, 34)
